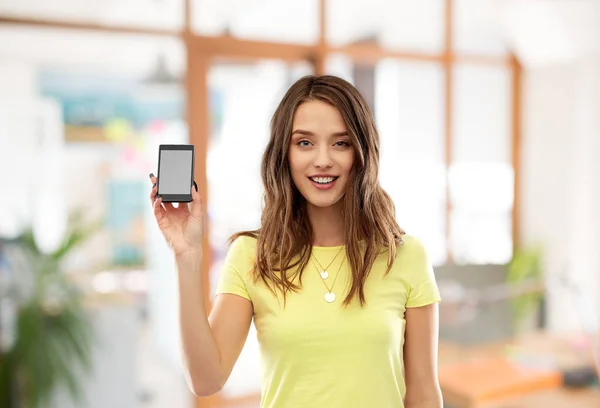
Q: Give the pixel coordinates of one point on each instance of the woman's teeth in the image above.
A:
(323, 180)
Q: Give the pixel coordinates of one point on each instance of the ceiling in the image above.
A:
(539, 32)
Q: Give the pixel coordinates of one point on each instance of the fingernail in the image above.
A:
(151, 175)
(196, 186)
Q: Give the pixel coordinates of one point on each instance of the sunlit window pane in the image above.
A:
(481, 178)
(409, 112)
(482, 199)
(480, 237)
(482, 186)
(481, 113)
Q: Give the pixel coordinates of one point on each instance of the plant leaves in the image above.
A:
(525, 266)
(54, 337)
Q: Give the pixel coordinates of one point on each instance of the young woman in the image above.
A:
(344, 303)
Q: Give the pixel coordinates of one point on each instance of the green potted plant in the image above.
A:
(53, 335)
(525, 273)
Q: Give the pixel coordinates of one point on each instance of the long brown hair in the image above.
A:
(284, 239)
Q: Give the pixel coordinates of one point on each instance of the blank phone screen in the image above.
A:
(175, 172)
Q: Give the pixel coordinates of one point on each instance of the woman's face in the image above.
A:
(321, 153)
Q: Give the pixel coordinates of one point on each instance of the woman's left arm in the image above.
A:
(421, 357)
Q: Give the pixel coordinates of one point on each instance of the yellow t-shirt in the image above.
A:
(321, 355)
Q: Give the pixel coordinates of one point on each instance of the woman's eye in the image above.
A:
(303, 143)
(342, 144)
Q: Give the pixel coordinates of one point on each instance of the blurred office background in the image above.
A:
(488, 116)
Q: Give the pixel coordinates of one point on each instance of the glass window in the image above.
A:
(481, 176)
(410, 118)
(482, 186)
(482, 113)
(480, 237)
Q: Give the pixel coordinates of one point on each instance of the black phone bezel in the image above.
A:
(175, 198)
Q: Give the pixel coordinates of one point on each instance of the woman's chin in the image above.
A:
(323, 202)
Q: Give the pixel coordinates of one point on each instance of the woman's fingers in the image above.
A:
(154, 188)
(159, 211)
(153, 195)
(196, 205)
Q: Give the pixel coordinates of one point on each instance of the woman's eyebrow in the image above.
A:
(309, 133)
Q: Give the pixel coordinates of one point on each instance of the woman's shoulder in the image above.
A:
(411, 245)
(243, 244)
(242, 250)
(411, 251)
(244, 240)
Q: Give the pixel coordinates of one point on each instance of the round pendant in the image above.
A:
(330, 297)
(324, 275)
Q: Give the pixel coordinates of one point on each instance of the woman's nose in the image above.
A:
(322, 158)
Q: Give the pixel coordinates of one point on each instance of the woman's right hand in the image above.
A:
(181, 226)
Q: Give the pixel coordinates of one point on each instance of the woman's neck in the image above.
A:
(327, 225)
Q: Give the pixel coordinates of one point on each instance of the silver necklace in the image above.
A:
(324, 271)
(329, 295)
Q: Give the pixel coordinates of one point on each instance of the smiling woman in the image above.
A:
(328, 276)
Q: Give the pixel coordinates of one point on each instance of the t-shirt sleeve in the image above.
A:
(236, 268)
(423, 289)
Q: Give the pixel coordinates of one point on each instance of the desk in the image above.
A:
(558, 398)
(555, 350)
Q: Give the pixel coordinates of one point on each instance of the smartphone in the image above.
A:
(175, 173)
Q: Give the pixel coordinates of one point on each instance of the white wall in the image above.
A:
(561, 181)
